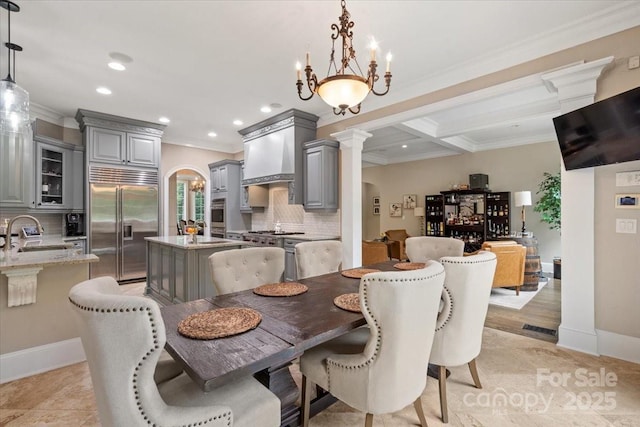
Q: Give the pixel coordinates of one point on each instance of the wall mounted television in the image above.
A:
(602, 133)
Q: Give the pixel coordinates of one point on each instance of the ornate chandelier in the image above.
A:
(14, 101)
(196, 186)
(347, 88)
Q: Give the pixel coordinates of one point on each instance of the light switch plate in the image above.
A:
(627, 179)
(629, 226)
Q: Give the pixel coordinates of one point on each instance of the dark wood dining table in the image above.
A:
(289, 326)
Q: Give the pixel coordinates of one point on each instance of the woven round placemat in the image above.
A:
(282, 289)
(409, 265)
(349, 302)
(219, 323)
(357, 273)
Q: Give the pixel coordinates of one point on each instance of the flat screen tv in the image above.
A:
(602, 133)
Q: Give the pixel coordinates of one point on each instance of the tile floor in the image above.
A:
(522, 381)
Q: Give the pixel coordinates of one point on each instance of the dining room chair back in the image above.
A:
(381, 369)
(123, 336)
(424, 248)
(237, 270)
(318, 257)
(458, 337)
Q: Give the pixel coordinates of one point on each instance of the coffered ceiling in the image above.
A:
(204, 64)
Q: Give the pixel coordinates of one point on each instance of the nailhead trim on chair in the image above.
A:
(444, 289)
(226, 415)
(375, 321)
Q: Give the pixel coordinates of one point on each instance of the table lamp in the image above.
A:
(523, 198)
(419, 212)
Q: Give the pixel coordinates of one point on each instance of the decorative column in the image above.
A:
(351, 141)
(576, 88)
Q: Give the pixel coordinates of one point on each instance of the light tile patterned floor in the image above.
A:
(521, 380)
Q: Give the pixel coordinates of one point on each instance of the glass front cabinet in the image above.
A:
(53, 176)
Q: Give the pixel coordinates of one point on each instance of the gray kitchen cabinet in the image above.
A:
(119, 140)
(131, 149)
(78, 179)
(53, 175)
(219, 179)
(16, 170)
(320, 175)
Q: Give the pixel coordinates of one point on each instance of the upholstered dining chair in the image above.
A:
(241, 269)
(381, 369)
(318, 258)
(458, 336)
(396, 244)
(123, 337)
(424, 248)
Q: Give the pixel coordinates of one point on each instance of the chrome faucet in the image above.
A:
(7, 239)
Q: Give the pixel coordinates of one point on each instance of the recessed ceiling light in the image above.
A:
(120, 57)
(164, 120)
(212, 134)
(237, 122)
(116, 66)
(404, 145)
(103, 90)
(266, 109)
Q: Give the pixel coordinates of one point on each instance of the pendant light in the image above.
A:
(14, 101)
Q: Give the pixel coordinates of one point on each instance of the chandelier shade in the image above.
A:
(197, 186)
(343, 91)
(348, 86)
(14, 100)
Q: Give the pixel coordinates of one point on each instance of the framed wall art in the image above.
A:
(376, 201)
(395, 209)
(376, 210)
(409, 201)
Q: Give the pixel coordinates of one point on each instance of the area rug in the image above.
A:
(508, 298)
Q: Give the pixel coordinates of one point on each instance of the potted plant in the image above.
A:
(549, 207)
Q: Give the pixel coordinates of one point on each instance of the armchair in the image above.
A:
(511, 258)
(396, 246)
(374, 252)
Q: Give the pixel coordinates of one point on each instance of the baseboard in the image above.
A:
(619, 346)
(36, 360)
(582, 341)
(547, 267)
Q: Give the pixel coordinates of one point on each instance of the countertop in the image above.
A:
(44, 257)
(202, 242)
(310, 237)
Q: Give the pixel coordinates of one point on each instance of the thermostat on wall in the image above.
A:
(628, 201)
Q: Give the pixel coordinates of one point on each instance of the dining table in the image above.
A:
(289, 326)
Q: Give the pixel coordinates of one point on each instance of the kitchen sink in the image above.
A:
(44, 248)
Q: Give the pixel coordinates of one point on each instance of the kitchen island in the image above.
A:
(178, 271)
(37, 331)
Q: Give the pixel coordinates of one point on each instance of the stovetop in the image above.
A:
(273, 232)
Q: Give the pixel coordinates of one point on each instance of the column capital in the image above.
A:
(575, 82)
(351, 138)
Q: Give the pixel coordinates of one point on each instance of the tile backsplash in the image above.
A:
(294, 217)
(52, 223)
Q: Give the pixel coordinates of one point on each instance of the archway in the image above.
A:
(169, 180)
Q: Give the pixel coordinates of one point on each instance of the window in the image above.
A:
(198, 200)
(181, 200)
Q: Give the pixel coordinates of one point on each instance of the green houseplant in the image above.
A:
(549, 208)
(549, 204)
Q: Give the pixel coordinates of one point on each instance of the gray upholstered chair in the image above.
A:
(122, 337)
(424, 248)
(241, 269)
(318, 258)
(381, 369)
(458, 337)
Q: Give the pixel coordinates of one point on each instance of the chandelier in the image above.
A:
(14, 101)
(196, 186)
(348, 87)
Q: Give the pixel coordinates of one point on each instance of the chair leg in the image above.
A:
(368, 421)
(418, 405)
(442, 381)
(305, 400)
(474, 373)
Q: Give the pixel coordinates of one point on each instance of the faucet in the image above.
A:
(7, 240)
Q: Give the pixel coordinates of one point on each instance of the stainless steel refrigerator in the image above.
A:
(120, 217)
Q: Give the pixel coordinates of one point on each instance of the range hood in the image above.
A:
(273, 150)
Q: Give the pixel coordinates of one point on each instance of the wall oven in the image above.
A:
(218, 218)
